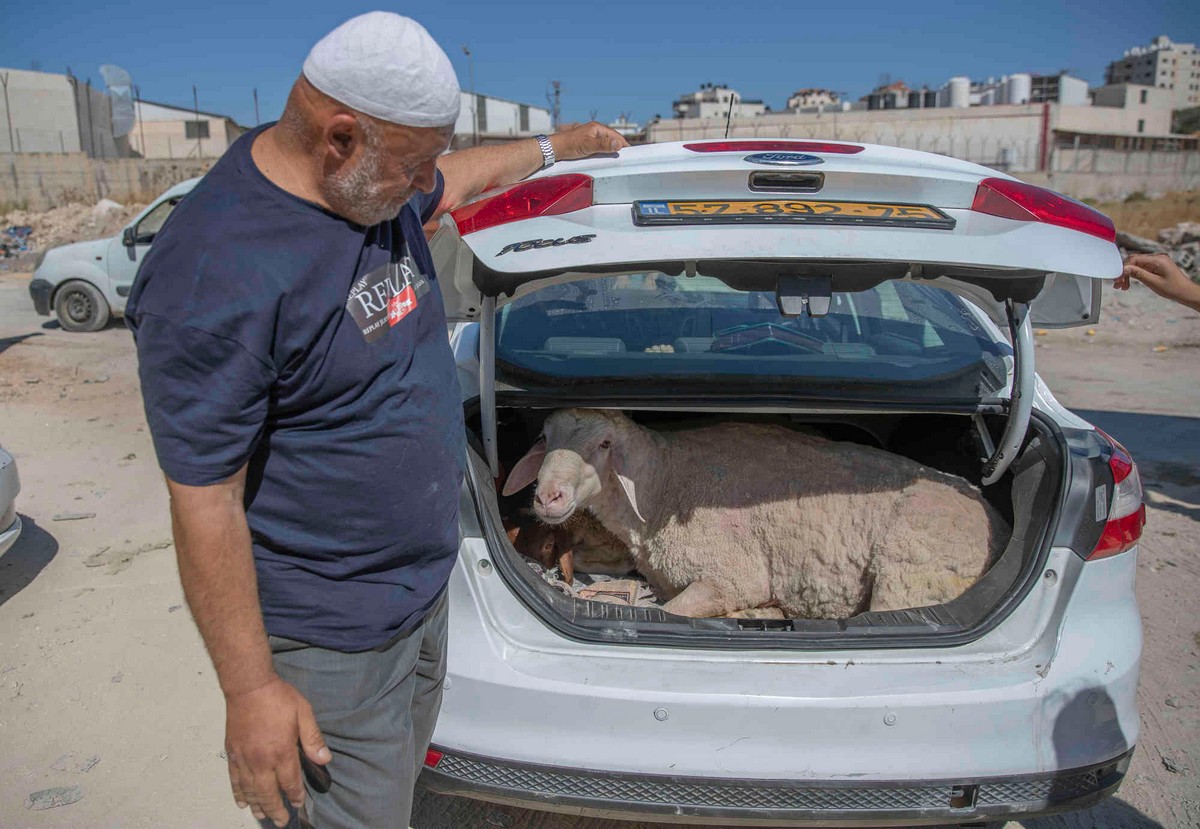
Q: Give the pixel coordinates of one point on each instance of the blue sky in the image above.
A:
(611, 57)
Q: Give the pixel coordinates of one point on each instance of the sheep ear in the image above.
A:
(526, 470)
(566, 566)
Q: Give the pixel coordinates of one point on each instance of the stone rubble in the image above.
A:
(1181, 243)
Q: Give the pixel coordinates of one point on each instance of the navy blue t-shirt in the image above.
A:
(272, 332)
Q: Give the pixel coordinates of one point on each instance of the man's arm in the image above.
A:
(1159, 273)
(479, 169)
(265, 717)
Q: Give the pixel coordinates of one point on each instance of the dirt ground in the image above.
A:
(104, 684)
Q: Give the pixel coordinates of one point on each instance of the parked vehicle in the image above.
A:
(865, 293)
(10, 486)
(86, 283)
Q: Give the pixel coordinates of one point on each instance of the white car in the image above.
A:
(10, 486)
(876, 295)
(86, 283)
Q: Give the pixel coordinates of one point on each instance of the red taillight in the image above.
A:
(1026, 203)
(773, 147)
(1126, 513)
(549, 196)
(433, 757)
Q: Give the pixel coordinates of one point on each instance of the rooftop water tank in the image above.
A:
(960, 92)
(1018, 89)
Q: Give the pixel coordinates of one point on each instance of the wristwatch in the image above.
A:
(547, 151)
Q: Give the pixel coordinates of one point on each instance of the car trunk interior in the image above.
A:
(1027, 496)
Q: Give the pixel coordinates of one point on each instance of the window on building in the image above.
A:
(524, 116)
(1141, 125)
(195, 129)
(1145, 94)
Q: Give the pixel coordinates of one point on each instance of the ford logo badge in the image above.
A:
(784, 159)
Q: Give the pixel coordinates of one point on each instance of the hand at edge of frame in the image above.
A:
(1159, 273)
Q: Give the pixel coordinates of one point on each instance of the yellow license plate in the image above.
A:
(790, 211)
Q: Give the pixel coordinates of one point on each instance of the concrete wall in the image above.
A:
(42, 114)
(93, 111)
(1111, 175)
(41, 180)
(1007, 137)
(52, 113)
(1109, 120)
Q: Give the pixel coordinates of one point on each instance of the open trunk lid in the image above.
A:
(922, 215)
(800, 219)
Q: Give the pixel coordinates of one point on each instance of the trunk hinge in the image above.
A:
(1021, 405)
(487, 383)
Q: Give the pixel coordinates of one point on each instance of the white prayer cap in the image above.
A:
(387, 66)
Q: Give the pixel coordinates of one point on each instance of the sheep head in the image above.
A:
(579, 453)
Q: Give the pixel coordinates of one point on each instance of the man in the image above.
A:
(303, 402)
(1159, 273)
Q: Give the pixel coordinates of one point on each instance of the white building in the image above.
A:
(811, 97)
(1152, 104)
(1174, 67)
(166, 131)
(623, 126)
(496, 119)
(1018, 88)
(713, 101)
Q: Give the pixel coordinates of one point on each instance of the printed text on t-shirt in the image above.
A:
(383, 297)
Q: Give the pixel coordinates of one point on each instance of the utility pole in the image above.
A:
(256, 119)
(196, 108)
(7, 111)
(137, 91)
(474, 100)
(91, 151)
(555, 100)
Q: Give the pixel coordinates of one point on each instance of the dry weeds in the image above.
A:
(1145, 217)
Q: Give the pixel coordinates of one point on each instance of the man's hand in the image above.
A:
(1159, 273)
(262, 730)
(586, 139)
(265, 718)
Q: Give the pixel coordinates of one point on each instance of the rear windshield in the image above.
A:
(898, 339)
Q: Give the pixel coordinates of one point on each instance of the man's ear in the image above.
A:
(342, 134)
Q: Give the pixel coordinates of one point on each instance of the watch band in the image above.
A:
(547, 151)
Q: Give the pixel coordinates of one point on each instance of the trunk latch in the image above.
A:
(793, 294)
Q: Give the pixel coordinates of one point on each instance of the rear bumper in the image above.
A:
(9, 535)
(700, 800)
(1050, 692)
(40, 291)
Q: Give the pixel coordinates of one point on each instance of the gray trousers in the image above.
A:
(376, 710)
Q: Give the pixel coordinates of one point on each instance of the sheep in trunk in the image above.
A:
(738, 516)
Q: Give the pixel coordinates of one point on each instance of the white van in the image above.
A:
(86, 283)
